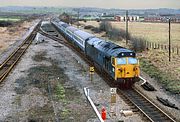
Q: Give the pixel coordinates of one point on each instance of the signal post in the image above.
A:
(91, 72)
(113, 101)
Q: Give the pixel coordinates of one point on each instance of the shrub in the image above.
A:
(88, 27)
(5, 23)
(105, 26)
(138, 44)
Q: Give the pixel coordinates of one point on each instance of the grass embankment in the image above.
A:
(167, 80)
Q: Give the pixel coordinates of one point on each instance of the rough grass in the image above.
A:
(137, 43)
(153, 32)
(169, 82)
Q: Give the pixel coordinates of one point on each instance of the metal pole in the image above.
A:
(169, 40)
(126, 27)
(78, 18)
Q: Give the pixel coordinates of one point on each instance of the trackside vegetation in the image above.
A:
(167, 80)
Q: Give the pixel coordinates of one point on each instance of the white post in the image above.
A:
(92, 104)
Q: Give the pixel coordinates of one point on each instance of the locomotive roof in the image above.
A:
(83, 35)
(65, 25)
(60, 22)
(71, 28)
(110, 49)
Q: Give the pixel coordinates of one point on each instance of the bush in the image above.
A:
(117, 34)
(88, 27)
(5, 23)
(96, 30)
(138, 44)
(105, 26)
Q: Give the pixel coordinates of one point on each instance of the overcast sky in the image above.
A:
(96, 3)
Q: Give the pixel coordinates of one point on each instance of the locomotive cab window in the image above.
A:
(132, 61)
(113, 61)
(121, 61)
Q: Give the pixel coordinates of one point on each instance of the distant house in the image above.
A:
(123, 18)
(162, 18)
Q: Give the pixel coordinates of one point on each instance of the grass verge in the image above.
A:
(168, 81)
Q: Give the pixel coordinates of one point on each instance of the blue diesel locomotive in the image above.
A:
(118, 62)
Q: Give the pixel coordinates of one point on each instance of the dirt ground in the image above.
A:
(47, 85)
(9, 35)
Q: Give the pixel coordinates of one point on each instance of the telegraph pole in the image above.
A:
(169, 39)
(78, 18)
(126, 27)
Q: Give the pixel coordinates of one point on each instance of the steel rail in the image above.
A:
(14, 57)
(151, 111)
(109, 81)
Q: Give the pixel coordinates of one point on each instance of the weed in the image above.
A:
(60, 92)
(65, 113)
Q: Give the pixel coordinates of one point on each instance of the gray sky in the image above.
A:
(96, 3)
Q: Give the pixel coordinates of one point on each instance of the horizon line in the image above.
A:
(87, 7)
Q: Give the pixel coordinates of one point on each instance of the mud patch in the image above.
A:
(40, 56)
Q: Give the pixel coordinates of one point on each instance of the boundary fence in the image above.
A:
(141, 44)
(153, 45)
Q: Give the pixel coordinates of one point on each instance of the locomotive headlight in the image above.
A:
(122, 54)
(120, 69)
(135, 68)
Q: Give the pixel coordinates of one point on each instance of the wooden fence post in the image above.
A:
(178, 50)
(158, 46)
(162, 47)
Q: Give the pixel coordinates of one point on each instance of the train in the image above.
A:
(116, 62)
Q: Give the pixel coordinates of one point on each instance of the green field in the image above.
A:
(12, 19)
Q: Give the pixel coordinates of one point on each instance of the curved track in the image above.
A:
(150, 110)
(11, 61)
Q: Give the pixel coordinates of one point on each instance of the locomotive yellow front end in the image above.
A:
(126, 69)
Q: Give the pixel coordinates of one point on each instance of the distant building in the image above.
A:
(103, 14)
(162, 18)
(123, 18)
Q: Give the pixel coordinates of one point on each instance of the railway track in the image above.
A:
(152, 112)
(11, 61)
(145, 106)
